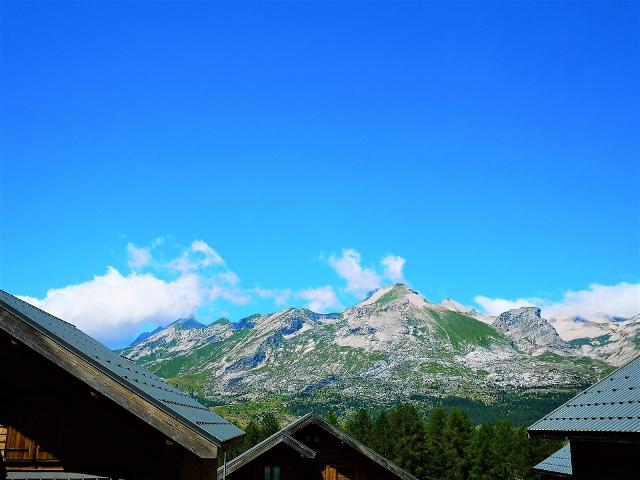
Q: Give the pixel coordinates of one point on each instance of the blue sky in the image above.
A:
(491, 146)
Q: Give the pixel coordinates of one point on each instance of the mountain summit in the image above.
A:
(393, 346)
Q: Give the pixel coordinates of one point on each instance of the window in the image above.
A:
(272, 472)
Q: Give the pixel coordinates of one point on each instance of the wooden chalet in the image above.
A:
(68, 404)
(311, 449)
(602, 425)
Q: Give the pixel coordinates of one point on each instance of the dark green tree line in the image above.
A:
(444, 445)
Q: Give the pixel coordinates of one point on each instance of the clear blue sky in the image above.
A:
(494, 146)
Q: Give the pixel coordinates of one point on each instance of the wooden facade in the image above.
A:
(53, 421)
(59, 412)
(324, 453)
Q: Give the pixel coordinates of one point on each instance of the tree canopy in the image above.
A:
(444, 445)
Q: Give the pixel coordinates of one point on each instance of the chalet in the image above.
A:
(68, 404)
(311, 449)
(602, 425)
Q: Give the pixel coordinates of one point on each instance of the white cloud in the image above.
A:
(393, 265)
(198, 256)
(234, 296)
(182, 280)
(229, 277)
(138, 257)
(321, 299)
(211, 257)
(158, 242)
(495, 306)
(280, 296)
(360, 280)
(114, 307)
(596, 303)
(110, 307)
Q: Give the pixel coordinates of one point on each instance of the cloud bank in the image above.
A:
(322, 299)
(597, 303)
(110, 307)
(161, 287)
(113, 307)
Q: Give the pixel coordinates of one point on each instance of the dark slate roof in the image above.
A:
(559, 463)
(126, 372)
(285, 435)
(610, 406)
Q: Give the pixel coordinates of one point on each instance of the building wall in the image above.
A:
(605, 460)
(334, 461)
(55, 422)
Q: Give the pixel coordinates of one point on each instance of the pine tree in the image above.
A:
(268, 425)
(457, 436)
(481, 453)
(381, 440)
(359, 426)
(502, 470)
(435, 461)
(408, 437)
(252, 436)
(332, 418)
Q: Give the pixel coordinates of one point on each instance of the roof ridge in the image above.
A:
(313, 417)
(574, 402)
(123, 371)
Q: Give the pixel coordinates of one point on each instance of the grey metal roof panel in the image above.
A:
(610, 405)
(559, 462)
(136, 378)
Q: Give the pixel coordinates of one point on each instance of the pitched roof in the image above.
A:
(134, 378)
(289, 430)
(610, 406)
(558, 463)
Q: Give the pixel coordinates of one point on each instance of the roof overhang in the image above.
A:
(558, 464)
(609, 437)
(84, 370)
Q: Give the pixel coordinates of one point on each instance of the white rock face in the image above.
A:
(393, 346)
(530, 332)
(617, 347)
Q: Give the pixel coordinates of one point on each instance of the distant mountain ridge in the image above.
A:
(393, 346)
(145, 335)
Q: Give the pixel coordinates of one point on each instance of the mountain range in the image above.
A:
(393, 346)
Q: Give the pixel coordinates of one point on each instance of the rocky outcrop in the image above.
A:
(530, 332)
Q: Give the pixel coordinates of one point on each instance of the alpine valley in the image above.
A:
(394, 346)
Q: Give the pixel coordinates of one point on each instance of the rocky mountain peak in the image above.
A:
(186, 322)
(517, 316)
(530, 332)
(398, 293)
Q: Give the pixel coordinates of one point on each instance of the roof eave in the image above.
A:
(86, 371)
(613, 437)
